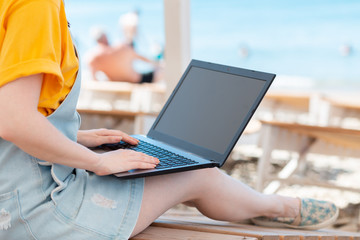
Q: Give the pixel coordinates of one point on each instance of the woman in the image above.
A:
(45, 192)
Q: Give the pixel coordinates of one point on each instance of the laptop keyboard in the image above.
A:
(167, 159)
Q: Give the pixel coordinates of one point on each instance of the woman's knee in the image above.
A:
(202, 179)
(190, 184)
(209, 173)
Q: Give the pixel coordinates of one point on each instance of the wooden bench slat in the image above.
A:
(313, 128)
(256, 231)
(162, 230)
(114, 112)
(160, 233)
(192, 221)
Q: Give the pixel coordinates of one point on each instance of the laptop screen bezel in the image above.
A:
(198, 150)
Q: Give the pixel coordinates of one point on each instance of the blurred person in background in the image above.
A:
(117, 62)
(129, 26)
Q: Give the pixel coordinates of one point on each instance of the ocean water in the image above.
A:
(317, 41)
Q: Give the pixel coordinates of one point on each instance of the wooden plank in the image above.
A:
(311, 128)
(119, 113)
(163, 233)
(254, 231)
(222, 228)
(132, 122)
(348, 104)
(351, 107)
(122, 96)
(347, 138)
(299, 101)
(113, 87)
(121, 87)
(194, 221)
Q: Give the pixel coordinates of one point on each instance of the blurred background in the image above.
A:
(315, 40)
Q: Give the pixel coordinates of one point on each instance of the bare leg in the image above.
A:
(214, 194)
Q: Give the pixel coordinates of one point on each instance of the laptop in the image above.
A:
(202, 120)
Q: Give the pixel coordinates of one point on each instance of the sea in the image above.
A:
(314, 43)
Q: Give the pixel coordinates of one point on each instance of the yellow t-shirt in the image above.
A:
(34, 38)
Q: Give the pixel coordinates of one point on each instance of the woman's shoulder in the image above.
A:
(18, 3)
(28, 9)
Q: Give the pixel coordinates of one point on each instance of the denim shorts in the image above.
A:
(84, 206)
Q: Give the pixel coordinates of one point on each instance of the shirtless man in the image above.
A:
(117, 62)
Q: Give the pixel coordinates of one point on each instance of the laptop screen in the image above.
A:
(209, 107)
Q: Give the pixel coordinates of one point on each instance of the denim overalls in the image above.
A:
(39, 200)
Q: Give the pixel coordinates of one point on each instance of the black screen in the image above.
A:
(209, 107)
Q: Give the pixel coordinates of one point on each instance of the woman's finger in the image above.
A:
(141, 165)
(125, 137)
(117, 133)
(129, 139)
(110, 132)
(138, 156)
(108, 139)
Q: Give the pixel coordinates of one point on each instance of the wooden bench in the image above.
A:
(119, 105)
(340, 112)
(180, 225)
(131, 122)
(299, 101)
(317, 108)
(295, 107)
(122, 95)
(302, 139)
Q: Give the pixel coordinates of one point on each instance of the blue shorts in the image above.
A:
(86, 206)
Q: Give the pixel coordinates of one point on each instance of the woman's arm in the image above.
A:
(22, 124)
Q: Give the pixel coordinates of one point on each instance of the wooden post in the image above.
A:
(177, 40)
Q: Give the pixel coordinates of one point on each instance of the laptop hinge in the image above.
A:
(216, 164)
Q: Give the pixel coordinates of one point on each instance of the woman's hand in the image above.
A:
(96, 137)
(123, 160)
(115, 161)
